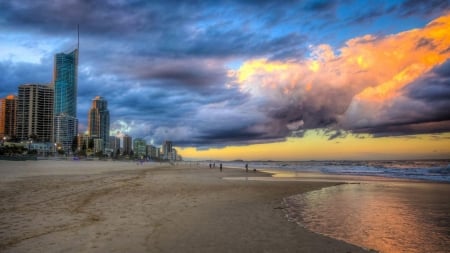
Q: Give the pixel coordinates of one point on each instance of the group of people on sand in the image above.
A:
(213, 165)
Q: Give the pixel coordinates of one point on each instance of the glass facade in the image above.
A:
(65, 79)
(65, 74)
(66, 129)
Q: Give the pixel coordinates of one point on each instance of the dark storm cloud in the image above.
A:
(320, 5)
(433, 90)
(14, 74)
(191, 73)
(369, 15)
(430, 7)
(423, 108)
(407, 129)
(174, 29)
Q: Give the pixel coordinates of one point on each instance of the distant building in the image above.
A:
(8, 109)
(34, 118)
(65, 82)
(152, 152)
(158, 153)
(166, 150)
(82, 142)
(98, 145)
(42, 149)
(127, 144)
(173, 155)
(139, 147)
(114, 143)
(98, 121)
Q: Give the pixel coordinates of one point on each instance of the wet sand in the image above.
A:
(87, 206)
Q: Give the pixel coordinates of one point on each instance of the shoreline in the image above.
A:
(119, 207)
(414, 170)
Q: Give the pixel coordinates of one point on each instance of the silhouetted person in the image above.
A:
(246, 167)
(220, 167)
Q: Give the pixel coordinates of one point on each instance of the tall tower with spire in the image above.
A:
(65, 84)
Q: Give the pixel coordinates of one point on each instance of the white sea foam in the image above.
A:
(431, 170)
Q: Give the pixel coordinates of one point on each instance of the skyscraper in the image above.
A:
(8, 108)
(98, 121)
(35, 112)
(65, 78)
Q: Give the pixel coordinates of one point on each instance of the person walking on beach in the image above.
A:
(220, 167)
(246, 167)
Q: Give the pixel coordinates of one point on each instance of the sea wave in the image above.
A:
(429, 170)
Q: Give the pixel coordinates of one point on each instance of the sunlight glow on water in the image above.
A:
(388, 217)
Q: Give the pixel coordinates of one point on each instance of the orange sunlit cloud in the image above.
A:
(350, 87)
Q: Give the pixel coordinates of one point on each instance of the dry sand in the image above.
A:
(68, 206)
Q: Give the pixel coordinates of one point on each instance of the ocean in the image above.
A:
(387, 206)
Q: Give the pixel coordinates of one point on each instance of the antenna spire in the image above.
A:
(78, 45)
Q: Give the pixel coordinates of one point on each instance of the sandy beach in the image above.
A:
(104, 206)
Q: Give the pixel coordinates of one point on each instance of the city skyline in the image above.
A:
(242, 80)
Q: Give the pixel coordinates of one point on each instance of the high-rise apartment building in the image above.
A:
(98, 121)
(114, 144)
(167, 150)
(65, 78)
(139, 147)
(34, 116)
(8, 108)
(127, 144)
(152, 152)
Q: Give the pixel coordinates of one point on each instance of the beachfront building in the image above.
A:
(65, 79)
(127, 144)
(34, 115)
(65, 129)
(98, 121)
(173, 155)
(41, 148)
(167, 150)
(114, 145)
(99, 146)
(139, 147)
(8, 108)
(152, 152)
(82, 143)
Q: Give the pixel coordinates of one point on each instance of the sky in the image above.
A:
(253, 80)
